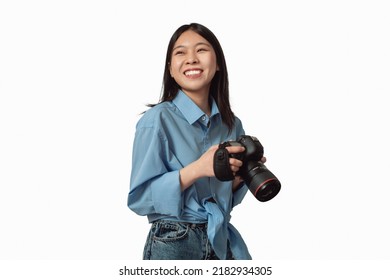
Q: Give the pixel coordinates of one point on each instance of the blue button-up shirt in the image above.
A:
(168, 137)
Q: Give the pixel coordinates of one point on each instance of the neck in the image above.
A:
(201, 100)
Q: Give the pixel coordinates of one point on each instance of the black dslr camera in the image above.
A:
(260, 181)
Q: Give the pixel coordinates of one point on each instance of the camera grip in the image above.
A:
(221, 164)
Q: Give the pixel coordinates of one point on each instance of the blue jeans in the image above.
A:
(169, 240)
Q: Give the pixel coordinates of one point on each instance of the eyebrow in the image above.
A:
(197, 44)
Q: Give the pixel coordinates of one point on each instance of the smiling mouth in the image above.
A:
(190, 73)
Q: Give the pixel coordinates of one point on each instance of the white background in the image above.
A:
(308, 78)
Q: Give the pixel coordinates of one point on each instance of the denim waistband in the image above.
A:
(189, 224)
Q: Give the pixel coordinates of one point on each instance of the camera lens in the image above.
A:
(265, 191)
(261, 182)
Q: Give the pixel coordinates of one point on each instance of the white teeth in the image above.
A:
(192, 72)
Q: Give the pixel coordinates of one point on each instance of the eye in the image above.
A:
(178, 52)
(202, 50)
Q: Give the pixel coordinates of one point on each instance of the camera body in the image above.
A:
(261, 182)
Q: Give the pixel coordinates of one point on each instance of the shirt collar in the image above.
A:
(190, 110)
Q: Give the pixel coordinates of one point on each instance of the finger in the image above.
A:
(239, 179)
(235, 162)
(235, 149)
(234, 169)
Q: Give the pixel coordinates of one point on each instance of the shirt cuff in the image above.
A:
(167, 195)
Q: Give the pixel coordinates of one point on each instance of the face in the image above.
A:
(193, 64)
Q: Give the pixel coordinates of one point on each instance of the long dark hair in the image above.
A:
(219, 88)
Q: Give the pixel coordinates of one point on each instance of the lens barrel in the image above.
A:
(261, 182)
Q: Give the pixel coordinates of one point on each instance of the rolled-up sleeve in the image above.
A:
(154, 185)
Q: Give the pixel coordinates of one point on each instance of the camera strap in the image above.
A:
(221, 164)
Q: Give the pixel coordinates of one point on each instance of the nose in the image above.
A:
(192, 58)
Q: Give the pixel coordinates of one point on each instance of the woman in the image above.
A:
(172, 178)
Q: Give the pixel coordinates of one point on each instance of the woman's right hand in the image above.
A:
(206, 161)
(204, 166)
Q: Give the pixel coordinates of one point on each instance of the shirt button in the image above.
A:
(203, 118)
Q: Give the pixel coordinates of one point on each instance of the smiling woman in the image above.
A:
(172, 179)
